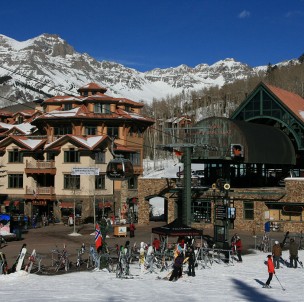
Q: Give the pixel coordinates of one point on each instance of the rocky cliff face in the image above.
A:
(47, 65)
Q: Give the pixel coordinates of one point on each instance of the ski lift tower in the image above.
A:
(185, 216)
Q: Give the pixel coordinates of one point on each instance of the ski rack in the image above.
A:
(209, 255)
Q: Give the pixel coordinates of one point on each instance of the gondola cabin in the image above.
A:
(120, 169)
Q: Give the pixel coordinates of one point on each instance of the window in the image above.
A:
(135, 158)
(100, 182)
(68, 106)
(133, 183)
(71, 156)
(63, 130)
(15, 156)
(15, 181)
(248, 210)
(71, 182)
(102, 108)
(90, 130)
(113, 131)
(50, 156)
(100, 157)
(201, 210)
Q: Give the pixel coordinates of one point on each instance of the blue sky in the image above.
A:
(144, 34)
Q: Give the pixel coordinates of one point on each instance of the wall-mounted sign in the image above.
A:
(85, 171)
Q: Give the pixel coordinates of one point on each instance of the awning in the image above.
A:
(106, 204)
(66, 205)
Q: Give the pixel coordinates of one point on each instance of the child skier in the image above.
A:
(271, 271)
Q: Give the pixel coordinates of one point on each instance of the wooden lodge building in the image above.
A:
(41, 148)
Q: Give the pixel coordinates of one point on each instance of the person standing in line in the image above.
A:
(271, 271)
(142, 257)
(156, 244)
(191, 261)
(132, 230)
(293, 253)
(238, 246)
(276, 253)
(177, 266)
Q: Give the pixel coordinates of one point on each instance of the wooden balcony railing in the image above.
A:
(36, 191)
(40, 166)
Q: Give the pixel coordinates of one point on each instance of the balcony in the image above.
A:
(40, 167)
(40, 193)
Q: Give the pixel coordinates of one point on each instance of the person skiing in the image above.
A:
(276, 253)
(271, 271)
(293, 253)
(177, 266)
(191, 260)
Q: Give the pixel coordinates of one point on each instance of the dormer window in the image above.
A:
(91, 130)
(67, 106)
(102, 108)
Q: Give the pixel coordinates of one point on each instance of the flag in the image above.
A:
(98, 237)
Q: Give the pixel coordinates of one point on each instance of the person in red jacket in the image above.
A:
(271, 271)
(238, 246)
(132, 230)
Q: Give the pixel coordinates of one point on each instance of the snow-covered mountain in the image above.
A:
(47, 65)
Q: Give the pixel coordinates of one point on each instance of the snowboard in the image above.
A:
(31, 260)
(21, 259)
(13, 269)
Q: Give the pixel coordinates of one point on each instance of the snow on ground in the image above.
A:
(238, 282)
(166, 168)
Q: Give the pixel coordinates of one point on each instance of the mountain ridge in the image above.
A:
(47, 65)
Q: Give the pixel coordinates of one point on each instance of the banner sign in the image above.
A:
(85, 171)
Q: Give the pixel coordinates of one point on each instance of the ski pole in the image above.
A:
(279, 282)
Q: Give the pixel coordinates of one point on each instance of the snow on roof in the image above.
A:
(89, 141)
(6, 126)
(63, 113)
(24, 127)
(32, 143)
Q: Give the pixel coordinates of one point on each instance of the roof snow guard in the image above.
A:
(259, 143)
